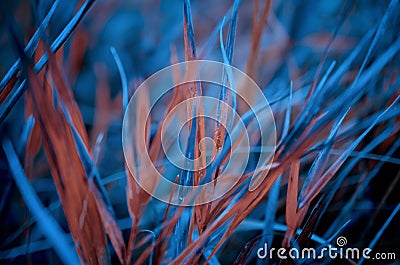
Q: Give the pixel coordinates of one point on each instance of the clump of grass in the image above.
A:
(337, 124)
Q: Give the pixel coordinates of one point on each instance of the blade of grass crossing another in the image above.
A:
(49, 227)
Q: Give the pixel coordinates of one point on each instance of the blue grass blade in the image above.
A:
(246, 119)
(312, 106)
(70, 27)
(214, 35)
(380, 232)
(207, 252)
(65, 33)
(114, 177)
(335, 235)
(49, 227)
(279, 98)
(23, 250)
(10, 73)
(345, 66)
(222, 95)
(343, 16)
(286, 122)
(273, 195)
(217, 161)
(230, 43)
(51, 208)
(378, 35)
(215, 238)
(328, 72)
(87, 161)
(315, 104)
(227, 73)
(206, 48)
(28, 126)
(122, 74)
(358, 86)
(7, 188)
(385, 225)
(359, 89)
(270, 211)
(180, 235)
(375, 41)
(227, 54)
(11, 100)
(339, 231)
(153, 241)
(252, 225)
(380, 63)
(301, 123)
(60, 40)
(30, 47)
(317, 99)
(190, 30)
(346, 210)
(269, 217)
(362, 125)
(186, 176)
(347, 169)
(335, 166)
(213, 260)
(97, 148)
(320, 162)
(33, 42)
(82, 151)
(41, 63)
(364, 155)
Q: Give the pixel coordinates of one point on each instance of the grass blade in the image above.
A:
(123, 77)
(49, 227)
(380, 232)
